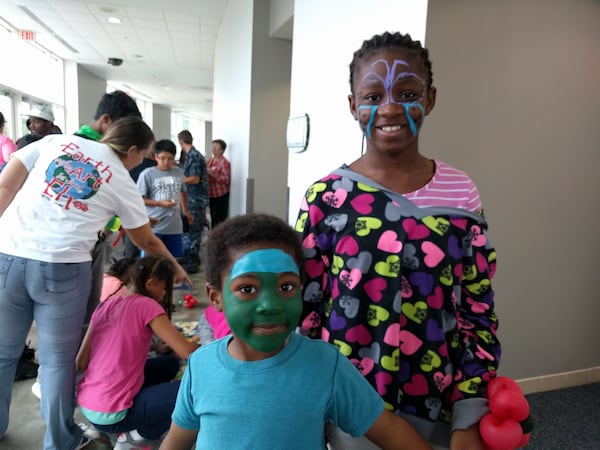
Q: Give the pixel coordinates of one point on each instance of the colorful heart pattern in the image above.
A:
(406, 297)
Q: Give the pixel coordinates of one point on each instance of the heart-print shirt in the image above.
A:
(404, 292)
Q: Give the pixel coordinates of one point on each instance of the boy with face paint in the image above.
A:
(399, 263)
(265, 386)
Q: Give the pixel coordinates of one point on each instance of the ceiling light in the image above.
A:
(113, 19)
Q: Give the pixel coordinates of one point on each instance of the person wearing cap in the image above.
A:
(7, 146)
(42, 120)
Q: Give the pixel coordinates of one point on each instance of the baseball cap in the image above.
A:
(42, 112)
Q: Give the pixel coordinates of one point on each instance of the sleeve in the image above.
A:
(474, 201)
(478, 326)
(315, 286)
(131, 210)
(28, 155)
(150, 309)
(143, 184)
(194, 165)
(356, 405)
(183, 414)
(202, 170)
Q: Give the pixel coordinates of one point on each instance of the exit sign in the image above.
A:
(27, 35)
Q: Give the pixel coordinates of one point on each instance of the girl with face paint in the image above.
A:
(398, 260)
(266, 386)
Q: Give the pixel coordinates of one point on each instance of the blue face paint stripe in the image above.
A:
(371, 119)
(411, 122)
(271, 260)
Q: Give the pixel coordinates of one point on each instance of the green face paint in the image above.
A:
(262, 299)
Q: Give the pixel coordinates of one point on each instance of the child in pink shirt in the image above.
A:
(121, 390)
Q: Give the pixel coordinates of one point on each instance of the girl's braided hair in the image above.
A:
(159, 268)
(386, 41)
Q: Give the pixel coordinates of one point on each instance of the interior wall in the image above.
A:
(270, 107)
(326, 34)
(90, 89)
(517, 108)
(161, 122)
(231, 107)
(281, 21)
(251, 92)
(208, 138)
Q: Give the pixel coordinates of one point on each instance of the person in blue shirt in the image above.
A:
(196, 180)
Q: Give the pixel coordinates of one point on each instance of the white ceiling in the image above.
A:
(167, 47)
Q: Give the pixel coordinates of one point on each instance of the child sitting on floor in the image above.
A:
(121, 390)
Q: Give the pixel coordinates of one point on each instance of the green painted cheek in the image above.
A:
(268, 308)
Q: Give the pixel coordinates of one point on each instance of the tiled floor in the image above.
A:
(26, 427)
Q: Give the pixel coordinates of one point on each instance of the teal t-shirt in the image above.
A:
(279, 402)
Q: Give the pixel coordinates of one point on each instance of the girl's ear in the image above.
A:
(148, 284)
(431, 94)
(215, 297)
(131, 151)
(352, 105)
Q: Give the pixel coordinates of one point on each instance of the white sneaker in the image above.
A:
(125, 441)
(37, 389)
(89, 431)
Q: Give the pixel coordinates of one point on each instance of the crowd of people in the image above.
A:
(368, 324)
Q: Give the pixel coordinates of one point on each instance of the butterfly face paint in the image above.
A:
(262, 300)
(383, 85)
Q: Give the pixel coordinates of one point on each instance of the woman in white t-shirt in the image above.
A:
(55, 194)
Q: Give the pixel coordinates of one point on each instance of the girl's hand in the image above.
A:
(468, 439)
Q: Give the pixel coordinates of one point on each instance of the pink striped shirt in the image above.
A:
(448, 187)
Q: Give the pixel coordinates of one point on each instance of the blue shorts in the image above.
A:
(173, 242)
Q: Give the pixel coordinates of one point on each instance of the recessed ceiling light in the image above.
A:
(113, 19)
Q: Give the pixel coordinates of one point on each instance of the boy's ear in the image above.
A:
(215, 297)
(102, 124)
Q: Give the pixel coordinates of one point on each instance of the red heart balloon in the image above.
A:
(500, 434)
(524, 440)
(501, 383)
(509, 404)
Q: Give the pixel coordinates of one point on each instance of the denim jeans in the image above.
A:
(55, 296)
(153, 406)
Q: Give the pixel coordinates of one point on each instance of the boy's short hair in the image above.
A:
(165, 145)
(117, 104)
(240, 232)
(186, 137)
